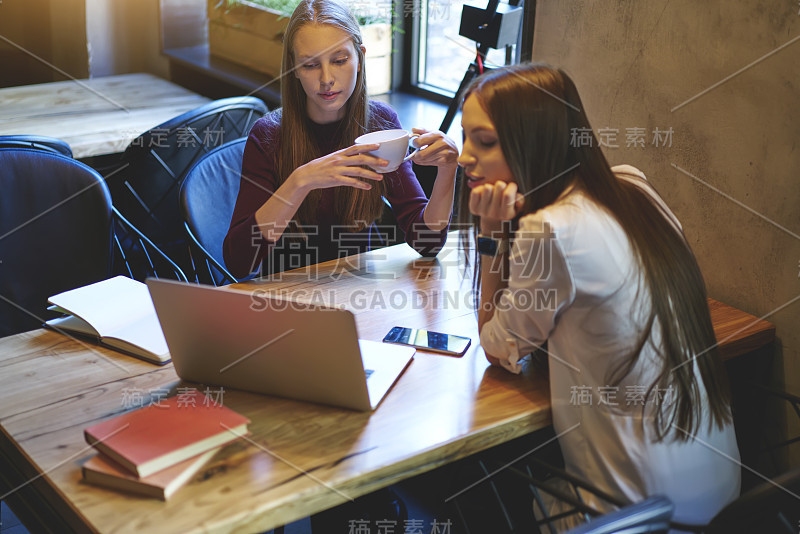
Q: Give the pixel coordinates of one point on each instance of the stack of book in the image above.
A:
(155, 450)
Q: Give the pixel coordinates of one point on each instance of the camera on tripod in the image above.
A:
(495, 26)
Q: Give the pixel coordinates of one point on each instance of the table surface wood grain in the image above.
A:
(95, 116)
(300, 458)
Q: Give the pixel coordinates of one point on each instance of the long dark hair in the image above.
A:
(535, 110)
(354, 207)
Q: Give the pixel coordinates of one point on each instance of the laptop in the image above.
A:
(263, 344)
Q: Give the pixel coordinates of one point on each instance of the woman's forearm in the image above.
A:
(275, 214)
(493, 280)
(440, 205)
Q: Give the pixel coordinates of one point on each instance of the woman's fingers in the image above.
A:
(519, 203)
(499, 201)
(437, 149)
(360, 155)
(434, 155)
(358, 149)
(430, 142)
(343, 167)
(479, 200)
(353, 182)
(423, 156)
(359, 172)
(504, 208)
(345, 180)
(509, 197)
(364, 159)
(348, 158)
(424, 137)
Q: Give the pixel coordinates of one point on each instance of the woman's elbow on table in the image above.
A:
(501, 352)
(493, 359)
(242, 257)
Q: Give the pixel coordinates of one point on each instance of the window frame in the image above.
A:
(406, 59)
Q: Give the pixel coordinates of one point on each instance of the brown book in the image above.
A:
(150, 439)
(102, 471)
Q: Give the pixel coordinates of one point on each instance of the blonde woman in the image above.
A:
(302, 178)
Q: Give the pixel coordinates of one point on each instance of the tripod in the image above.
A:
(486, 31)
(473, 70)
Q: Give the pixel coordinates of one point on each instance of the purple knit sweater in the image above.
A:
(245, 249)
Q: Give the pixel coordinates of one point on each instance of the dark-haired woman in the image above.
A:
(590, 260)
(306, 193)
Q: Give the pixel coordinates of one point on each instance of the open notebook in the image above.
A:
(117, 313)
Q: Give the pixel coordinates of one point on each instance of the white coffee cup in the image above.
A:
(393, 147)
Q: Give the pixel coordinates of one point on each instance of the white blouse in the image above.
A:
(575, 283)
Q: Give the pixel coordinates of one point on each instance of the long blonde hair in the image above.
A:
(356, 208)
(534, 109)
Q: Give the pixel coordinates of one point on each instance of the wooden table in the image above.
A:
(441, 409)
(95, 116)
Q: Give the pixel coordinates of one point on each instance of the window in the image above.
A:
(437, 56)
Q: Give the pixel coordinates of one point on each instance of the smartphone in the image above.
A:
(427, 340)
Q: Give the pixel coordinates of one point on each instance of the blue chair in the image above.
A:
(137, 257)
(146, 185)
(57, 232)
(207, 198)
(773, 506)
(497, 490)
(36, 141)
(650, 515)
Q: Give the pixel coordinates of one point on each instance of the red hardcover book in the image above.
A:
(102, 471)
(150, 439)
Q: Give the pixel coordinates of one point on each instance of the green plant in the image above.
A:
(284, 7)
(366, 12)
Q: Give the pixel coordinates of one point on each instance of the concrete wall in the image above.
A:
(637, 64)
(82, 38)
(123, 36)
(52, 30)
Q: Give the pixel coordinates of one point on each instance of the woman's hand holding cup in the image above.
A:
(436, 149)
(341, 168)
(433, 148)
(392, 146)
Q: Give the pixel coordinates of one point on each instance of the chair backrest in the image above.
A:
(773, 506)
(650, 515)
(137, 257)
(146, 190)
(55, 232)
(36, 141)
(207, 198)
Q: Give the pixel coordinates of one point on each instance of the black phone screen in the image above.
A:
(427, 340)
